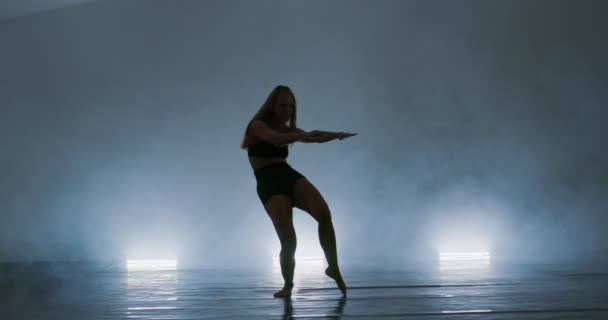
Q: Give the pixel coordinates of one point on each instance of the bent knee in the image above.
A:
(323, 216)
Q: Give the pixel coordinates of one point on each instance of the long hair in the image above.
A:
(266, 112)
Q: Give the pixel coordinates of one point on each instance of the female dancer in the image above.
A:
(280, 187)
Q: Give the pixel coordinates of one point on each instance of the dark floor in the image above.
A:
(448, 290)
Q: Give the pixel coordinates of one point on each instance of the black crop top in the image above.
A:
(265, 149)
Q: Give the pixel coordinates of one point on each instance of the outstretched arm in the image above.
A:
(308, 139)
(264, 132)
(324, 136)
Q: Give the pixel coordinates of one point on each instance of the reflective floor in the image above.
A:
(453, 288)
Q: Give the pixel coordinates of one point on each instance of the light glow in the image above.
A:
(307, 263)
(151, 265)
(464, 260)
(464, 256)
(302, 258)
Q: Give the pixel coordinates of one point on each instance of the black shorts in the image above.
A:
(276, 178)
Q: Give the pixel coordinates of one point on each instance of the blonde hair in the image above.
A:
(266, 111)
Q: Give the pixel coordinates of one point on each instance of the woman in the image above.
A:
(280, 187)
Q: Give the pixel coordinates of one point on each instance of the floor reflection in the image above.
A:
(335, 314)
(151, 286)
(449, 261)
(496, 291)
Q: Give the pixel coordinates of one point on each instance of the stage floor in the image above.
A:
(452, 290)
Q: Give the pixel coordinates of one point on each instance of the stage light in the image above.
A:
(151, 265)
(464, 260)
(464, 256)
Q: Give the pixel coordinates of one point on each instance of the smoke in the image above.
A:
(479, 128)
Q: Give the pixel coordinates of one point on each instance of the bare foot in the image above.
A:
(334, 273)
(285, 292)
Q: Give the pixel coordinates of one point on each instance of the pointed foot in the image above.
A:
(334, 273)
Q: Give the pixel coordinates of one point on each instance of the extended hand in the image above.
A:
(328, 136)
(344, 135)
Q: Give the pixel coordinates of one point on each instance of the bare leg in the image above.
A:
(279, 209)
(310, 200)
(327, 237)
(288, 265)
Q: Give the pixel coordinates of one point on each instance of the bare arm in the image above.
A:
(327, 136)
(264, 132)
(324, 136)
(307, 139)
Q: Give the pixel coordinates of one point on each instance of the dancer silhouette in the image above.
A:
(281, 188)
